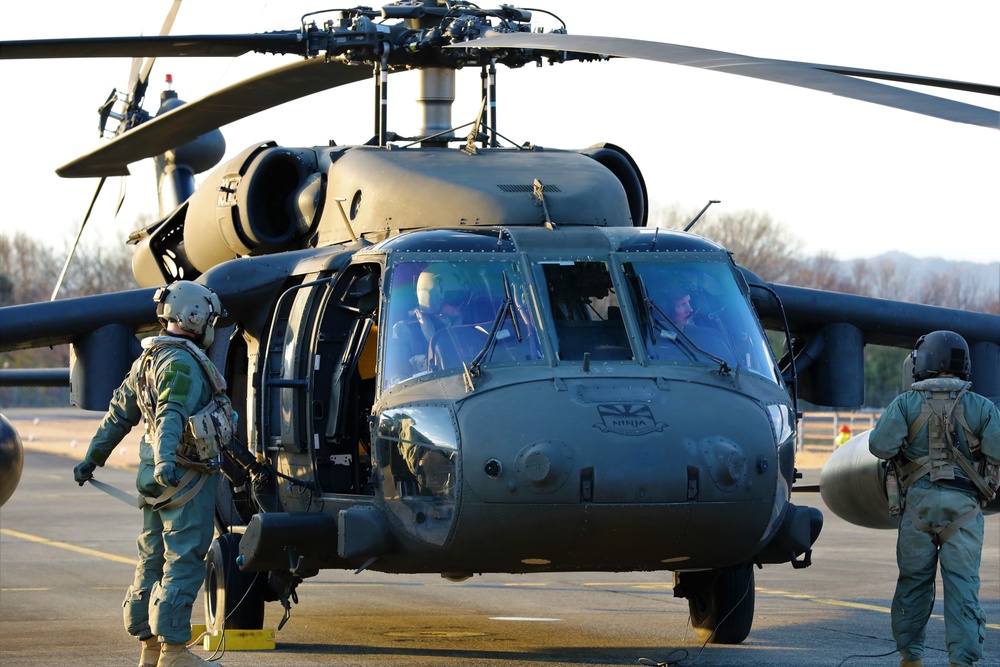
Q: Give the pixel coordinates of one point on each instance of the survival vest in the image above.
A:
(942, 412)
(208, 431)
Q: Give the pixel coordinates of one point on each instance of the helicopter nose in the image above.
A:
(652, 468)
(648, 446)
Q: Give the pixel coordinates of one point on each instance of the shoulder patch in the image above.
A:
(176, 383)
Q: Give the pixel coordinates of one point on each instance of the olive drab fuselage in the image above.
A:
(476, 358)
(557, 411)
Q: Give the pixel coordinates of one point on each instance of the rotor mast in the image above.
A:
(437, 87)
(437, 94)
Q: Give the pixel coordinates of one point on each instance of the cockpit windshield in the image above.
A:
(585, 311)
(696, 311)
(442, 315)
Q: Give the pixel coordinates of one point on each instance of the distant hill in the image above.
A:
(914, 276)
(988, 274)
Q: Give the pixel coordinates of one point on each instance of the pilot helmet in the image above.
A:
(679, 287)
(941, 352)
(439, 285)
(192, 307)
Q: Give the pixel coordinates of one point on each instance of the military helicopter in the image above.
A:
(459, 357)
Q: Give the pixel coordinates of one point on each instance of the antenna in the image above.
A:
(701, 213)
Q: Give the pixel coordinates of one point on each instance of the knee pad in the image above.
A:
(135, 610)
(169, 616)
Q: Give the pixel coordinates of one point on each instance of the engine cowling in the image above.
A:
(267, 199)
(251, 205)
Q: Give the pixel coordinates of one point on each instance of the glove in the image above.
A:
(83, 472)
(260, 476)
(166, 474)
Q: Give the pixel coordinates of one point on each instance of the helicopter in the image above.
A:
(456, 356)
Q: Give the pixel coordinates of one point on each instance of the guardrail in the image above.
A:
(818, 430)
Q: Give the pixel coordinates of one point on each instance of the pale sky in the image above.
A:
(848, 177)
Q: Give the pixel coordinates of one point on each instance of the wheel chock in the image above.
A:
(198, 631)
(233, 640)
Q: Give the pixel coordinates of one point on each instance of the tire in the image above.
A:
(234, 600)
(721, 604)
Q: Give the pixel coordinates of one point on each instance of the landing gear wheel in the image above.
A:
(721, 603)
(233, 599)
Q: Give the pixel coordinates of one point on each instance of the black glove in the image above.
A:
(166, 474)
(83, 472)
(260, 476)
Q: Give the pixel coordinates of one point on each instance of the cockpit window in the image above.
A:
(695, 311)
(585, 311)
(442, 315)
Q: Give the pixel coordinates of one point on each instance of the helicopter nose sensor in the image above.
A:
(544, 466)
(726, 461)
(493, 468)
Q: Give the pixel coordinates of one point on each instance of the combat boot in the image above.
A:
(150, 652)
(177, 655)
(919, 662)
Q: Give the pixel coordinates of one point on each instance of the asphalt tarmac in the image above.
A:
(67, 554)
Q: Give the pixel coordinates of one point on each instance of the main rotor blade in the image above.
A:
(211, 112)
(76, 241)
(229, 46)
(950, 84)
(168, 23)
(805, 75)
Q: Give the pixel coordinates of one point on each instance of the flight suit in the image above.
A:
(174, 540)
(938, 504)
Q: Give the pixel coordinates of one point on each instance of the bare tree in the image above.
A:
(825, 272)
(881, 277)
(757, 241)
(29, 265)
(910, 280)
(944, 288)
(98, 269)
(28, 272)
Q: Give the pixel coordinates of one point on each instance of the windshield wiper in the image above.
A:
(687, 344)
(506, 308)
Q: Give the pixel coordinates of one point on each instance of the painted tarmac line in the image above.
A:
(526, 585)
(845, 603)
(69, 547)
(657, 585)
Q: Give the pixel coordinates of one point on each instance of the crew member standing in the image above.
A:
(944, 441)
(175, 388)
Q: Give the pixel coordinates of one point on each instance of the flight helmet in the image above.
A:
(679, 286)
(941, 352)
(439, 285)
(193, 307)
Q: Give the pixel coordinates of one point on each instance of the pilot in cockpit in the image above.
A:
(676, 303)
(442, 295)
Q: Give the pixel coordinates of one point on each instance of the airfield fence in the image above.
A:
(817, 430)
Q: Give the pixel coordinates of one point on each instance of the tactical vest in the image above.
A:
(943, 413)
(209, 430)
